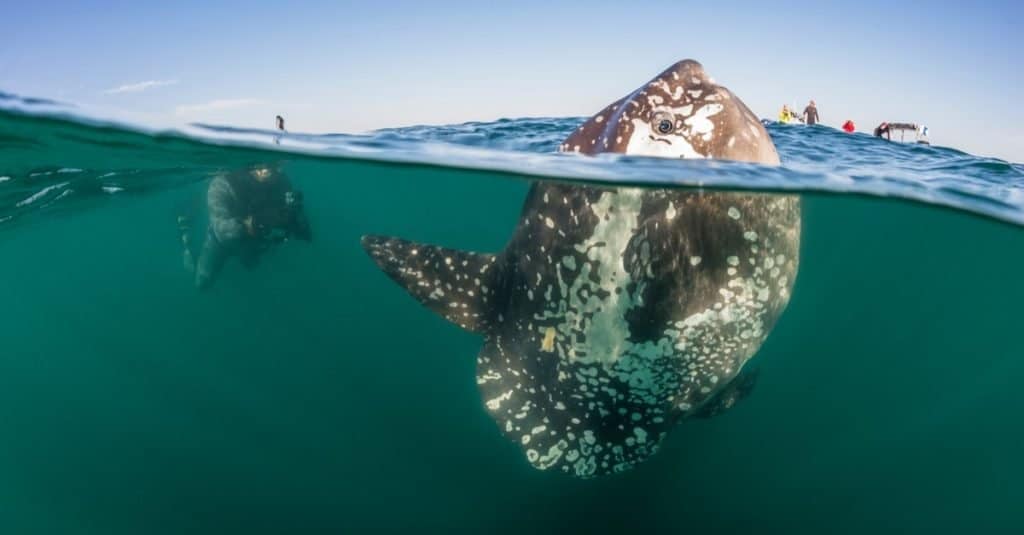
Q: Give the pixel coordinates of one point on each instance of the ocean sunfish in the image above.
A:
(615, 312)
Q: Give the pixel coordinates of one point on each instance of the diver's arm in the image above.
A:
(225, 223)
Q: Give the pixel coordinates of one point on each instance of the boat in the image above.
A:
(920, 132)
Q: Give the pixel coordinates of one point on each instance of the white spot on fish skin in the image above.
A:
(694, 260)
(733, 261)
(553, 455)
(495, 404)
(489, 376)
(599, 119)
(734, 213)
(699, 122)
(750, 236)
(549, 222)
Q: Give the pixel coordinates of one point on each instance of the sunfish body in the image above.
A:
(614, 313)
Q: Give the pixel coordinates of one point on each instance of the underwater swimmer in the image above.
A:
(250, 210)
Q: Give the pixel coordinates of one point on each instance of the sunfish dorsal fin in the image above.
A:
(455, 284)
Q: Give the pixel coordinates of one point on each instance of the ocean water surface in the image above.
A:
(312, 395)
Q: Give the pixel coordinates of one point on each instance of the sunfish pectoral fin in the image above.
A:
(455, 284)
(737, 389)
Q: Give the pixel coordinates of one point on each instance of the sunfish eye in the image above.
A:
(664, 123)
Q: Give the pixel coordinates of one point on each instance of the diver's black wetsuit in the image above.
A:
(276, 210)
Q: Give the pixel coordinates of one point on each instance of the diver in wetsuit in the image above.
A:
(250, 210)
(883, 129)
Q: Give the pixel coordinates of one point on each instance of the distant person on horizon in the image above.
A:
(849, 127)
(811, 114)
(250, 210)
(280, 126)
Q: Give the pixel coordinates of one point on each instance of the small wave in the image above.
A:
(40, 194)
(819, 159)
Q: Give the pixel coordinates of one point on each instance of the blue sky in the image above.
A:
(353, 66)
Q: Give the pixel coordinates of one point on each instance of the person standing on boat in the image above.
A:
(811, 114)
(250, 210)
(786, 116)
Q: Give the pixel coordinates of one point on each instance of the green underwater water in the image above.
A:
(313, 395)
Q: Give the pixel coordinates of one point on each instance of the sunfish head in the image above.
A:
(681, 113)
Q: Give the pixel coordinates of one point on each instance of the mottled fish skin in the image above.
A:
(614, 313)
